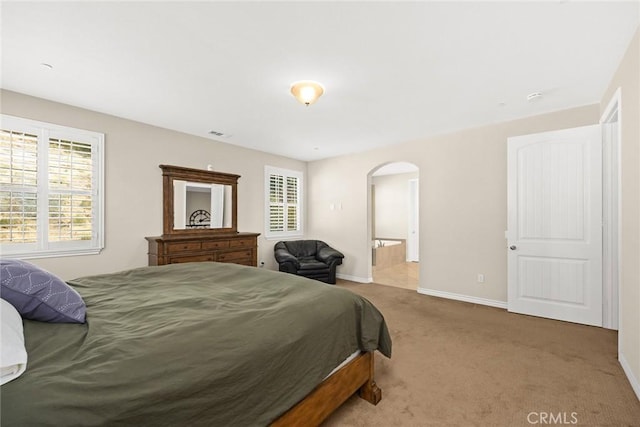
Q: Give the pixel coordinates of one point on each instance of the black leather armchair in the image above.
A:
(309, 258)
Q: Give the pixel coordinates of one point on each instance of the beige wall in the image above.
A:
(391, 208)
(462, 195)
(133, 206)
(463, 203)
(627, 78)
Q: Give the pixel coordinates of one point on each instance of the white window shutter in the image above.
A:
(283, 202)
(51, 189)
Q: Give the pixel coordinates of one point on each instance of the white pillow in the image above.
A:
(13, 355)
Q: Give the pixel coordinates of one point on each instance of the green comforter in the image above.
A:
(189, 344)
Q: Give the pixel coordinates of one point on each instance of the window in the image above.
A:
(283, 205)
(51, 189)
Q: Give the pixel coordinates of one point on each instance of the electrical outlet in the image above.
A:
(480, 278)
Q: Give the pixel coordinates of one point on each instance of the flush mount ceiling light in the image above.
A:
(307, 91)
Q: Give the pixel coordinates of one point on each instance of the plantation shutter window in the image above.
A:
(292, 204)
(283, 202)
(276, 203)
(18, 186)
(51, 189)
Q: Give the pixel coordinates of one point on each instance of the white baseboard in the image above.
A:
(635, 384)
(354, 278)
(461, 297)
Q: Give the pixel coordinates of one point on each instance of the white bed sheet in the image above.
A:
(347, 360)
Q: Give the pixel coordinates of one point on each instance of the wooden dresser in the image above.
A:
(237, 248)
(199, 220)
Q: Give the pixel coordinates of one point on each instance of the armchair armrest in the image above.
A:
(328, 254)
(283, 256)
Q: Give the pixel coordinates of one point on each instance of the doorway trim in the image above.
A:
(611, 122)
(413, 232)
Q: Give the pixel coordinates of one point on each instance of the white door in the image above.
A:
(413, 248)
(555, 225)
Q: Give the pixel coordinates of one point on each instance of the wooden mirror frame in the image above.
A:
(171, 173)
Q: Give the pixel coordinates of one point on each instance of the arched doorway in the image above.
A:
(393, 219)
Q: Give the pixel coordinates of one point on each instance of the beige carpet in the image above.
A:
(462, 364)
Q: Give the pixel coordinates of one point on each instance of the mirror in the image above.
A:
(200, 205)
(198, 201)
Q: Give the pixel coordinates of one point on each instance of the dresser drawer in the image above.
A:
(173, 248)
(222, 244)
(234, 256)
(237, 248)
(193, 258)
(242, 243)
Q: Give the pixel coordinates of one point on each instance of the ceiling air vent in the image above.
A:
(534, 96)
(216, 133)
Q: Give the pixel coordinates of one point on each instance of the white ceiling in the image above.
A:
(393, 71)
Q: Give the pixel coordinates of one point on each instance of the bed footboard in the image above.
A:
(356, 376)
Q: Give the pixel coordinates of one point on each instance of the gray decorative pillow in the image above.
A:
(38, 294)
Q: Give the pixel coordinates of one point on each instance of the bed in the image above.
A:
(198, 344)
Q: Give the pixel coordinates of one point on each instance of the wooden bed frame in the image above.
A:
(357, 375)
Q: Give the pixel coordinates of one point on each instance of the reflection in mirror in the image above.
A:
(200, 205)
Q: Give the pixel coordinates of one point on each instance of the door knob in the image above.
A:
(512, 247)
